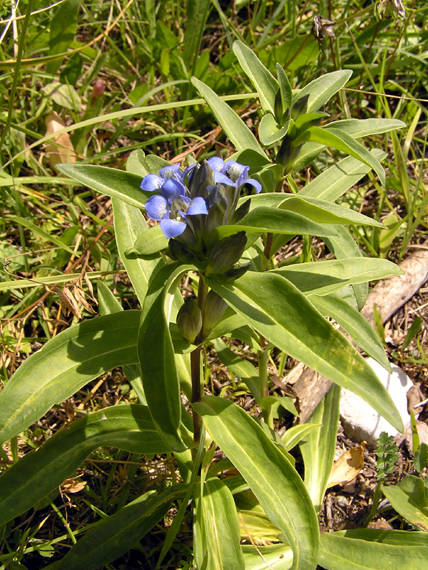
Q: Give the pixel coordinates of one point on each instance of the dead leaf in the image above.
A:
(73, 486)
(59, 148)
(347, 467)
(381, 524)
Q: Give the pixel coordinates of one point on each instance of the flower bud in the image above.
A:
(189, 319)
(226, 253)
(214, 309)
(200, 179)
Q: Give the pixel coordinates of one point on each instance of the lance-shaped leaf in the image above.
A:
(343, 245)
(274, 481)
(326, 212)
(322, 277)
(344, 143)
(236, 130)
(64, 365)
(264, 82)
(319, 446)
(274, 220)
(336, 180)
(323, 88)
(117, 534)
(129, 222)
(353, 323)
(109, 181)
(156, 354)
(339, 552)
(357, 128)
(218, 519)
(108, 304)
(128, 427)
(274, 557)
(284, 316)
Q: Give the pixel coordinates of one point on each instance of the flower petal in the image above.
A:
(172, 188)
(235, 170)
(172, 228)
(215, 163)
(171, 171)
(220, 178)
(254, 183)
(197, 206)
(157, 207)
(151, 182)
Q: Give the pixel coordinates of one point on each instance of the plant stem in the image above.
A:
(376, 498)
(195, 363)
(195, 367)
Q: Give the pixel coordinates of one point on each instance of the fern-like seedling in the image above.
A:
(386, 458)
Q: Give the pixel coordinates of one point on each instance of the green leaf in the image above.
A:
(156, 354)
(109, 181)
(65, 364)
(274, 481)
(319, 446)
(292, 436)
(236, 130)
(336, 180)
(149, 242)
(274, 220)
(264, 82)
(275, 308)
(108, 304)
(269, 132)
(353, 323)
(344, 143)
(397, 537)
(117, 534)
(409, 498)
(196, 16)
(357, 128)
(276, 556)
(323, 277)
(128, 427)
(325, 212)
(343, 246)
(339, 552)
(323, 88)
(220, 548)
(63, 28)
(284, 86)
(129, 222)
(63, 95)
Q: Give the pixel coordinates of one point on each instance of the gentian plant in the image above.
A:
(219, 223)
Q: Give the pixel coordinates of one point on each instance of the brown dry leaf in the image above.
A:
(73, 486)
(347, 467)
(59, 148)
(381, 524)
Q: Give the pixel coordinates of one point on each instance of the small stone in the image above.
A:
(360, 421)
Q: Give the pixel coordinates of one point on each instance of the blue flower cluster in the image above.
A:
(179, 194)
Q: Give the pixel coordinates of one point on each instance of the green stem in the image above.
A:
(195, 367)
(376, 498)
(195, 363)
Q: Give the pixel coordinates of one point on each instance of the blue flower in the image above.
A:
(232, 173)
(171, 206)
(210, 189)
